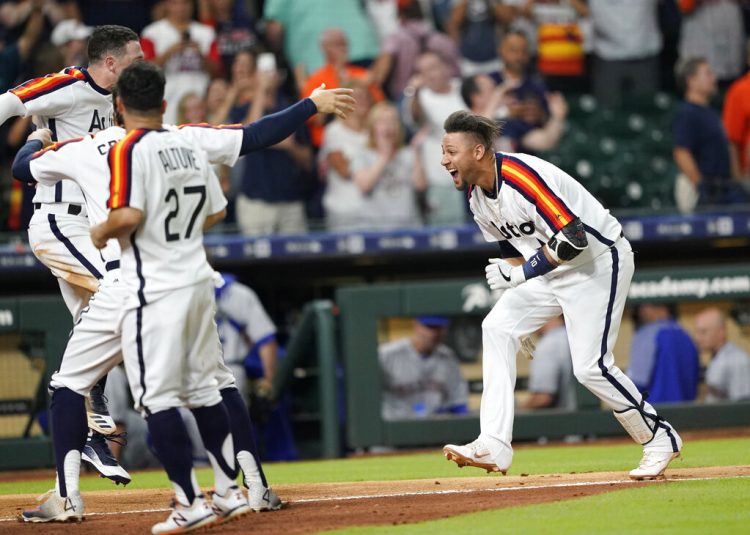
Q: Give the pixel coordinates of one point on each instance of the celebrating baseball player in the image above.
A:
(163, 194)
(582, 270)
(73, 103)
(94, 346)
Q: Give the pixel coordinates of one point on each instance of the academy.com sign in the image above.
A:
(693, 287)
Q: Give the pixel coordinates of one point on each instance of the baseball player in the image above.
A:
(73, 103)
(163, 194)
(561, 252)
(94, 346)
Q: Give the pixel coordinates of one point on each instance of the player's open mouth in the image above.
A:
(453, 173)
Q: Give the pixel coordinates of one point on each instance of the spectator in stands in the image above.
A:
(343, 141)
(384, 17)
(701, 148)
(274, 180)
(15, 54)
(133, 15)
(736, 118)
(713, 30)
(336, 72)
(220, 97)
(398, 56)
(294, 27)
(551, 380)
(433, 95)
(534, 120)
(473, 26)
(663, 358)
(191, 109)
(560, 42)
(70, 37)
(388, 174)
(234, 30)
(627, 43)
(728, 374)
(421, 376)
(185, 49)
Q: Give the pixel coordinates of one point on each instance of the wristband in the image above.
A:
(537, 265)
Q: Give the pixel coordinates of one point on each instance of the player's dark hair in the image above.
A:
(141, 87)
(483, 129)
(109, 40)
(686, 69)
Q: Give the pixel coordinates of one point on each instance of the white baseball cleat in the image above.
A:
(262, 498)
(654, 463)
(472, 454)
(230, 506)
(184, 518)
(55, 508)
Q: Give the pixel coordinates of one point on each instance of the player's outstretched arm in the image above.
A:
(278, 126)
(121, 223)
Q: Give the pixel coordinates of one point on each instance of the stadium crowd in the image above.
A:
(577, 81)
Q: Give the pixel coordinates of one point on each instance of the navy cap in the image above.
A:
(433, 321)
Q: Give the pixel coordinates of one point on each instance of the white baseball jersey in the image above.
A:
(533, 201)
(71, 105)
(169, 179)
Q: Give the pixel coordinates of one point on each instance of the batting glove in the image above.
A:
(501, 275)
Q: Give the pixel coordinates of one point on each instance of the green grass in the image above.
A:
(699, 507)
(533, 460)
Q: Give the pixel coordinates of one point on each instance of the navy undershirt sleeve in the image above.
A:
(22, 163)
(276, 127)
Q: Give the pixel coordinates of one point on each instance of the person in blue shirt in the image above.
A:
(701, 148)
(663, 358)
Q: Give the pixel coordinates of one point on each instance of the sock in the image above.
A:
(102, 382)
(175, 452)
(243, 435)
(69, 432)
(213, 424)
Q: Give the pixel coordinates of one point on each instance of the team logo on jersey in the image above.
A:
(510, 231)
(100, 122)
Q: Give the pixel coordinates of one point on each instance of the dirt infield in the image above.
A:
(313, 508)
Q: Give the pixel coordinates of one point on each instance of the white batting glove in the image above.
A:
(501, 275)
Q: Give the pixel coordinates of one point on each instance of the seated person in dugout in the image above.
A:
(421, 375)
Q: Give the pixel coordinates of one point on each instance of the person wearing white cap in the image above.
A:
(70, 37)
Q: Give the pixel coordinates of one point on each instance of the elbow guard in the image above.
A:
(569, 242)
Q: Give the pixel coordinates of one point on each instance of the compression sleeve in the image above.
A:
(21, 164)
(12, 106)
(276, 127)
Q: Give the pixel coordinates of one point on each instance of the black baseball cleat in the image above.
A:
(97, 413)
(96, 452)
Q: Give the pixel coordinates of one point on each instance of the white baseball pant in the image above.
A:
(62, 242)
(171, 350)
(591, 299)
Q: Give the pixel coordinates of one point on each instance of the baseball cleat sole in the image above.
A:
(462, 461)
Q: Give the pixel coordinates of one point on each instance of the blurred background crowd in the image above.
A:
(644, 101)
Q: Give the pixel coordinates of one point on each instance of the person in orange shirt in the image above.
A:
(736, 117)
(336, 72)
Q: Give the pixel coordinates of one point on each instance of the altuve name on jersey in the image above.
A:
(176, 158)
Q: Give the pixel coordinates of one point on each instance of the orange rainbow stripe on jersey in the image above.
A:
(120, 167)
(55, 146)
(528, 183)
(37, 87)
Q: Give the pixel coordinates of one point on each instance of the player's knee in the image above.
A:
(586, 374)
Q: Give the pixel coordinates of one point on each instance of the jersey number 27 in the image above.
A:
(173, 196)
